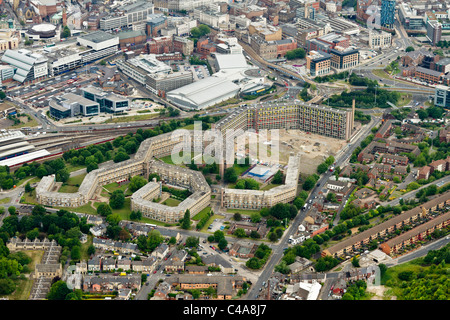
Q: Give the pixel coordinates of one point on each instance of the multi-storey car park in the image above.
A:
(316, 119)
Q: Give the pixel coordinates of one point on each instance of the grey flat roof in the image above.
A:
(97, 36)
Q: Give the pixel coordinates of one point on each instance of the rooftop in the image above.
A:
(97, 36)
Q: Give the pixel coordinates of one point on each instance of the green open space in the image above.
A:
(269, 186)
(72, 184)
(201, 214)
(243, 211)
(138, 117)
(170, 202)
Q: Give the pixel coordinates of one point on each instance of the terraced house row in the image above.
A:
(358, 241)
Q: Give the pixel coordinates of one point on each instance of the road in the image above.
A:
(277, 250)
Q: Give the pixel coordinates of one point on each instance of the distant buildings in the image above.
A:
(127, 15)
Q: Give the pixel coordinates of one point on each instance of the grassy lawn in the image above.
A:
(404, 100)
(188, 127)
(124, 212)
(115, 186)
(24, 122)
(83, 209)
(68, 189)
(5, 200)
(171, 202)
(23, 288)
(199, 216)
(242, 211)
(85, 246)
(72, 185)
(269, 186)
(381, 73)
(30, 198)
(72, 168)
(30, 180)
(139, 117)
(240, 170)
(185, 156)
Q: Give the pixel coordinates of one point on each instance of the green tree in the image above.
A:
(223, 243)
(12, 210)
(186, 221)
(58, 291)
(136, 183)
(230, 175)
(117, 199)
(104, 209)
(240, 233)
(192, 242)
(65, 33)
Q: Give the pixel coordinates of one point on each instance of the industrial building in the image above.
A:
(203, 93)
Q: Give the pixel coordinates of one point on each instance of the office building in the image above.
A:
(102, 44)
(442, 96)
(70, 105)
(108, 101)
(379, 39)
(434, 31)
(409, 18)
(318, 63)
(344, 58)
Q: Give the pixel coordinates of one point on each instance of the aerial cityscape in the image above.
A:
(244, 150)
